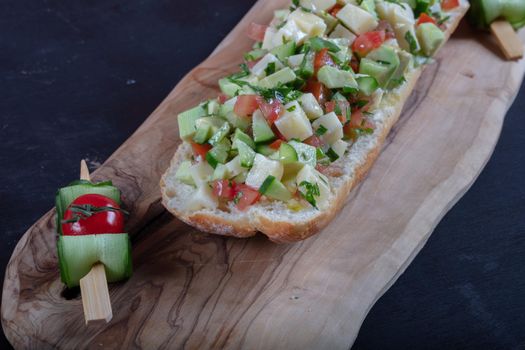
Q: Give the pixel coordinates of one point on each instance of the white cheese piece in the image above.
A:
(289, 32)
(308, 23)
(339, 147)
(259, 69)
(203, 198)
(261, 169)
(201, 173)
(294, 123)
(401, 18)
(310, 106)
(340, 31)
(269, 38)
(295, 60)
(318, 5)
(333, 126)
(309, 174)
(234, 167)
(356, 19)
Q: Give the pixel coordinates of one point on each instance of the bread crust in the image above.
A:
(285, 231)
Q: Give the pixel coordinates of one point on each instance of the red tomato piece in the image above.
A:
(100, 220)
(322, 58)
(340, 107)
(246, 196)
(276, 144)
(314, 140)
(246, 105)
(200, 150)
(424, 18)
(329, 106)
(387, 28)
(449, 4)
(366, 42)
(256, 31)
(278, 133)
(224, 189)
(334, 10)
(222, 98)
(271, 110)
(354, 64)
(320, 92)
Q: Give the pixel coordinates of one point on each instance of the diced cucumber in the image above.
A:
(77, 254)
(339, 147)
(369, 6)
(367, 85)
(329, 20)
(295, 60)
(239, 135)
(218, 154)
(261, 130)
(310, 106)
(254, 54)
(227, 107)
(183, 173)
(280, 77)
(382, 73)
(332, 155)
(238, 122)
(406, 61)
(306, 154)
(203, 134)
(241, 177)
(274, 189)
(186, 121)
(285, 50)
(334, 78)
(294, 123)
(246, 154)
(261, 68)
(339, 97)
(287, 154)
(213, 107)
(262, 167)
(220, 134)
(264, 149)
(228, 87)
(430, 38)
(340, 31)
(306, 69)
(214, 122)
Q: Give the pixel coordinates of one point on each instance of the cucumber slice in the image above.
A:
(274, 189)
(220, 172)
(287, 154)
(77, 254)
(186, 121)
(246, 154)
(183, 173)
(68, 194)
(261, 130)
(380, 72)
(306, 154)
(367, 85)
(202, 134)
(228, 88)
(430, 37)
(218, 154)
(220, 134)
(264, 149)
(239, 135)
(285, 50)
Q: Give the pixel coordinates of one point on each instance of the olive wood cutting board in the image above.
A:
(195, 290)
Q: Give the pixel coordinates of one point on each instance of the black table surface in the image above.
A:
(78, 77)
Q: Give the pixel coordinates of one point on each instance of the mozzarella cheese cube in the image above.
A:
(295, 60)
(294, 123)
(311, 107)
(339, 147)
(310, 175)
(261, 169)
(201, 173)
(308, 23)
(259, 69)
(334, 128)
(203, 198)
(340, 31)
(356, 19)
(318, 5)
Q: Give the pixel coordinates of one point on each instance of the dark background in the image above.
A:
(78, 77)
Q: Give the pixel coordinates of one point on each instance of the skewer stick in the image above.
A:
(508, 40)
(94, 286)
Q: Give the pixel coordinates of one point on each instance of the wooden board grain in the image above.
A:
(195, 290)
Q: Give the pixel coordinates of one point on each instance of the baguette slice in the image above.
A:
(273, 218)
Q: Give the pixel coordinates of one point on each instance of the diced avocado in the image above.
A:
(186, 121)
(203, 134)
(285, 50)
(306, 154)
(239, 135)
(310, 106)
(183, 173)
(228, 88)
(264, 149)
(430, 38)
(220, 172)
(287, 154)
(329, 128)
(261, 130)
(246, 154)
(218, 154)
(367, 85)
(282, 76)
(307, 23)
(340, 31)
(334, 78)
(274, 189)
(261, 68)
(220, 134)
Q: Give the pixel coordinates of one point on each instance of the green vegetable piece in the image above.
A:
(246, 154)
(220, 134)
(306, 154)
(186, 121)
(219, 153)
(287, 154)
(369, 6)
(239, 135)
(264, 149)
(261, 130)
(283, 76)
(183, 173)
(254, 54)
(228, 87)
(274, 189)
(203, 134)
(317, 44)
(483, 12)
(367, 85)
(285, 50)
(221, 172)
(406, 61)
(430, 37)
(306, 70)
(334, 78)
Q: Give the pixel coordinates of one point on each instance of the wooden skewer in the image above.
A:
(508, 40)
(94, 286)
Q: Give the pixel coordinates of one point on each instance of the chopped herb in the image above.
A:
(84, 211)
(332, 155)
(386, 63)
(443, 19)
(318, 44)
(237, 197)
(350, 90)
(321, 130)
(270, 68)
(361, 103)
(395, 82)
(412, 43)
(291, 109)
(311, 191)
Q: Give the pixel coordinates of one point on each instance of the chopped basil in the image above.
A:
(270, 68)
(321, 130)
(332, 155)
(291, 109)
(411, 42)
(311, 191)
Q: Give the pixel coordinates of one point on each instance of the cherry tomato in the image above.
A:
(322, 58)
(320, 92)
(200, 150)
(256, 31)
(101, 220)
(271, 110)
(276, 144)
(224, 189)
(246, 196)
(246, 105)
(334, 10)
(424, 18)
(449, 4)
(366, 42)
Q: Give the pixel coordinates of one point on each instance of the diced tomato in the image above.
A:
(387, 28)
(340, 107)
(322, 58)
(276, 144)
(354, 64)
(246, 105)
(222, 98)
(424, 18)
(366, 42)
(246, 196)
(357, 121)
(320, 92)
(278, 133)
(200, 150)
(314, 140)
(224, 189)
(449, 4)
(271, 109)
(334, 10)
(256, 31)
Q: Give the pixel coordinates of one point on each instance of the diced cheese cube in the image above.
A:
(339, 147)
(261, 169)
(270, 39)
(333, 126)
(308, 23)
(340, 31)
(295, 60)
(310, 106)
(312, 176)
(401, 17)
(259, 69)
(318, 5)
(203, 198)
(294, 123)
(356, 19)
(201, 172)
(289, 32)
